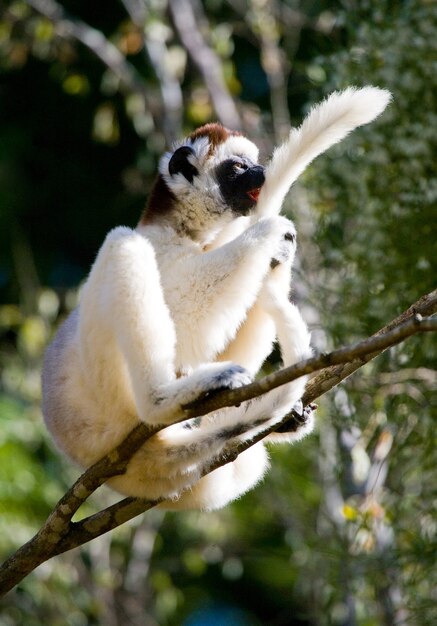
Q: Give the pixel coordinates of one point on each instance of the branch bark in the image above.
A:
(329, 378)
(60, 533)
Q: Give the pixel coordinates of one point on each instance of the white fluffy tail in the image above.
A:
(326, 124)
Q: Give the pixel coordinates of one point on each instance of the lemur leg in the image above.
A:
(178, 478)
(253, 341)
(224, 484)
(115, 307)
(294, 342)
(183, 451)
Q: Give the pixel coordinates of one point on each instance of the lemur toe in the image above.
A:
(298, 417)
(230, 378)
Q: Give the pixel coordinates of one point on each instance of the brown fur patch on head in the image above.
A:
(216, 134)
(161, 202)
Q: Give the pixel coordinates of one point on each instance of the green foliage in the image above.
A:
(374, 198)
(342, 531)
(377, 219)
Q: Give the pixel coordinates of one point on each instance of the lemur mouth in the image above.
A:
(254, 194)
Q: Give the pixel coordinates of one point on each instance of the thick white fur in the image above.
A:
(166, 312)
(139, 322)
(326, 124)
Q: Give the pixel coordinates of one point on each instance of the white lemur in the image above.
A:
(189, 302)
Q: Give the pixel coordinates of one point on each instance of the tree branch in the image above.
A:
(68, 27)
(361, 353)
(184, 17)
(329, 378)
(60, 534)
(155, 48)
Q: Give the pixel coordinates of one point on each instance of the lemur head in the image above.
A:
(207, 180)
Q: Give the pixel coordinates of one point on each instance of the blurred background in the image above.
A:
(343, 529)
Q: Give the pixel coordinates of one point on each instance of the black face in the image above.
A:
(240, 182)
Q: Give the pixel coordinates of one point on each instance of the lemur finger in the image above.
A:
(286, 249)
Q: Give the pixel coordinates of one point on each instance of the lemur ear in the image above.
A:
(179, 163)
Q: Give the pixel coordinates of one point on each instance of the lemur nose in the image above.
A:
(257, 172)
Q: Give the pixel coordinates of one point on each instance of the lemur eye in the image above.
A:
(239, 167)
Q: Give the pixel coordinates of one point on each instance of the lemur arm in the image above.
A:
(225, 282)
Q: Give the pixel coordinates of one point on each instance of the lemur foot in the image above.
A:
(231, 377)
(188, 391)
(299, 416)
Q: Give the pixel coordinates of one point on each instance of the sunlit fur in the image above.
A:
(184, 304)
